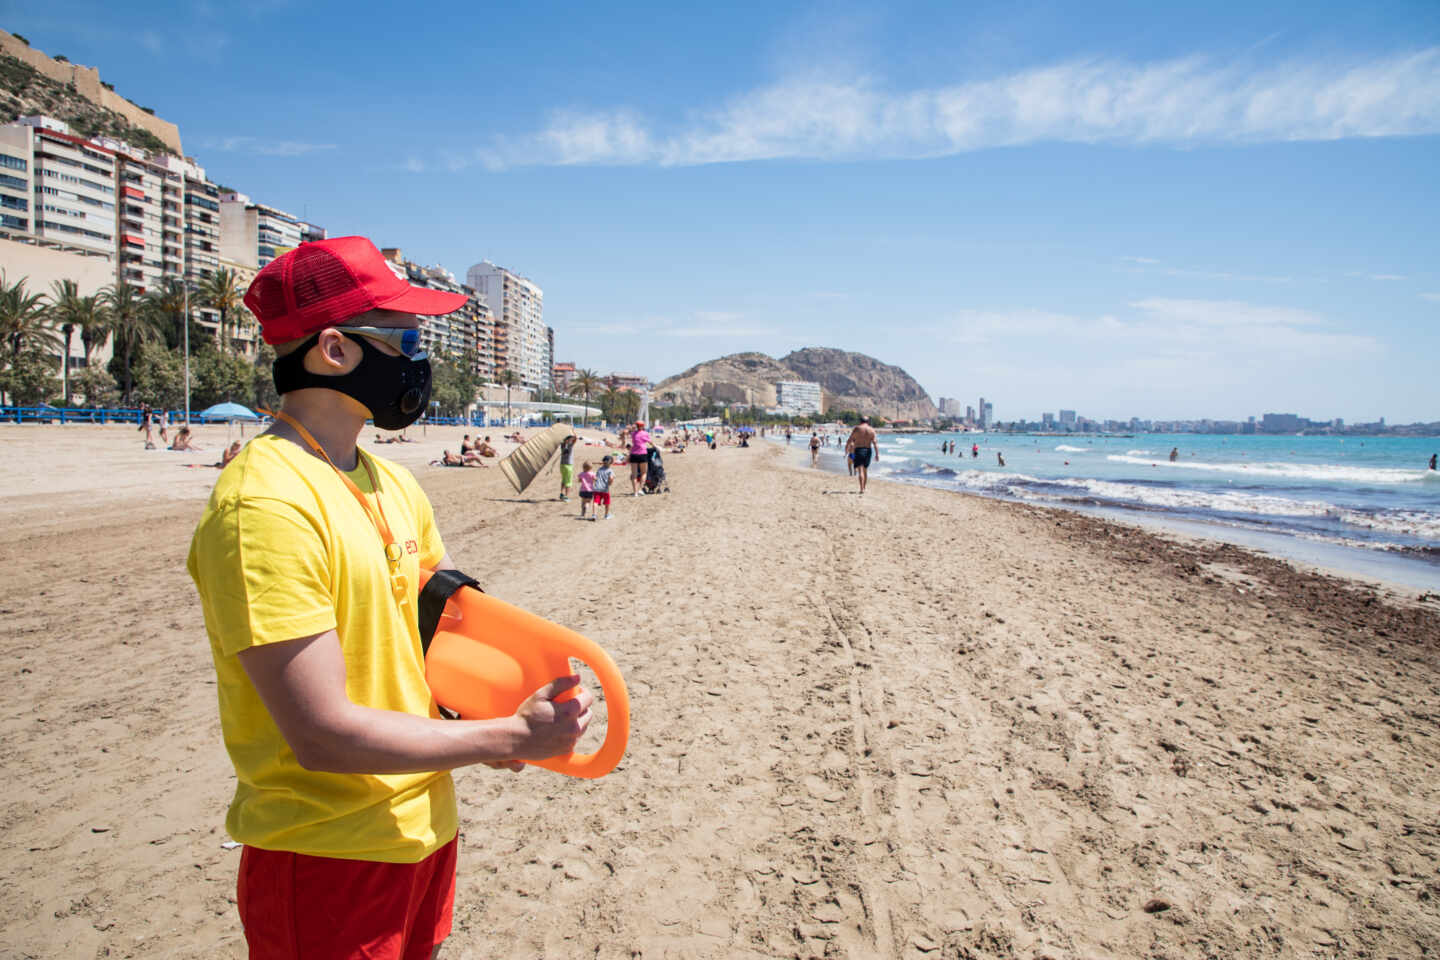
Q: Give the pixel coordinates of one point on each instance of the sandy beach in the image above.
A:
(913, 724)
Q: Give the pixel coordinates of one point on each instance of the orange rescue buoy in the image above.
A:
(487, 656)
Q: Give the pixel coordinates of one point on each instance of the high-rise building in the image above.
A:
(987, 414)
(1067, 418)
(143, 238)
(255, 232)
(517, 305)
(202, 225)
(466, 330)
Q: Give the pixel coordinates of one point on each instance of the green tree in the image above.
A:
(71, 312)
(262, 379)
(29, 378)
(134, 322)
(96, 385)
(122, 303)
(219, 292)
(454, 383)
(167, 301)
(218, 376)
(24, 319)
(159, 377)
(584, 383)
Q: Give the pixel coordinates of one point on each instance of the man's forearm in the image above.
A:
(368, 740)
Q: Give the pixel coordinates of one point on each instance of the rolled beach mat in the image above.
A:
(487, 656)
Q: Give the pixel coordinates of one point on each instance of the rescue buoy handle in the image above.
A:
(617, 706)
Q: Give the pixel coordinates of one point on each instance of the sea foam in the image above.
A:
(1328, 472)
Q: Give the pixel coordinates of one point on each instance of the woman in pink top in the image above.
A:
(639, 458)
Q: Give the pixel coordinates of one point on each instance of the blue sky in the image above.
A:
(1158, 210)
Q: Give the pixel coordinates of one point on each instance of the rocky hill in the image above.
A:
(33, 83)
(848, 381)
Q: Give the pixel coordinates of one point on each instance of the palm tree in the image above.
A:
(220, 292)
(24, 319)
(610, 402)
(140, 322)
(584, 383)
(168, 300)
(70, 312)
(122, 303)
(510, 379)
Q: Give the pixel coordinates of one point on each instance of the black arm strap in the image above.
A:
(441, 587)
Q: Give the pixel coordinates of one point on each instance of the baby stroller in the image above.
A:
(655, 473)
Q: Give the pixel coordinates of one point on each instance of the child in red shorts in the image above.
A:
(603, 478)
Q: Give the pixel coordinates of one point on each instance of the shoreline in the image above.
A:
(1398, 572)
(906, 724)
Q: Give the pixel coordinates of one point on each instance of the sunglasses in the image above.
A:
(405, 340)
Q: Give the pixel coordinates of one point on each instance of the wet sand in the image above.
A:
(912, 724)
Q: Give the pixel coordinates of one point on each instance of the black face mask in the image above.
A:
(395, 389)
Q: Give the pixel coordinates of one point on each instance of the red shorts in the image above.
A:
(602, 496)
(293, 905)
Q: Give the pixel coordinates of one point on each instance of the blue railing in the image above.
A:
(47, 414)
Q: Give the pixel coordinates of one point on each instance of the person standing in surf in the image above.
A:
(307, 560)
(865, 446)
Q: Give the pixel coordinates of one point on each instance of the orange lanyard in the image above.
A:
(393, 553)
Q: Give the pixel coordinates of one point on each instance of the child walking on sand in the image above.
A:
(603, 477)
(587, 487)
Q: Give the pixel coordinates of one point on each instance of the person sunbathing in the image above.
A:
(182, 441)
(484, 449)
(230, 453)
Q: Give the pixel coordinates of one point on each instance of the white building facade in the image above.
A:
(517, 308)
(252, 232)
(798, 396)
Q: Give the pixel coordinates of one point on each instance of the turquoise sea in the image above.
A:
(1365, 504)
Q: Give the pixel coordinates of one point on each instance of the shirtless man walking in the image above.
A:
(863, 444)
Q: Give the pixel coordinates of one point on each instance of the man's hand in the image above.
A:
(550, 729)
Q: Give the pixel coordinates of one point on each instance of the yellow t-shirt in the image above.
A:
(284, 550)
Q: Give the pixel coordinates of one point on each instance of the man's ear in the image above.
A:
(330, 349)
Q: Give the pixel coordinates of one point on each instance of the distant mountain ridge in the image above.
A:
(848, 381)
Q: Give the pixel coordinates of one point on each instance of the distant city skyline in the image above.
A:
(1219, 209)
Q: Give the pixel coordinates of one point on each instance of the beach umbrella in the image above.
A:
(229, 411)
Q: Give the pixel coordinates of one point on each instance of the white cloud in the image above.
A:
(1432, 297)
(1180, 102)
(1142, 260)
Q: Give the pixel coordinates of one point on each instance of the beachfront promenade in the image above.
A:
(917, 725)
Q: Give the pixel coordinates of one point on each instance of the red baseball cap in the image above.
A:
(321, 284)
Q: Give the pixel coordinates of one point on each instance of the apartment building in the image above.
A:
(255, 233)
(149, 249)
(561, 375)
(60, 188)
(633, 382)
(467, 329)
(517, 306)
(202, 224)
